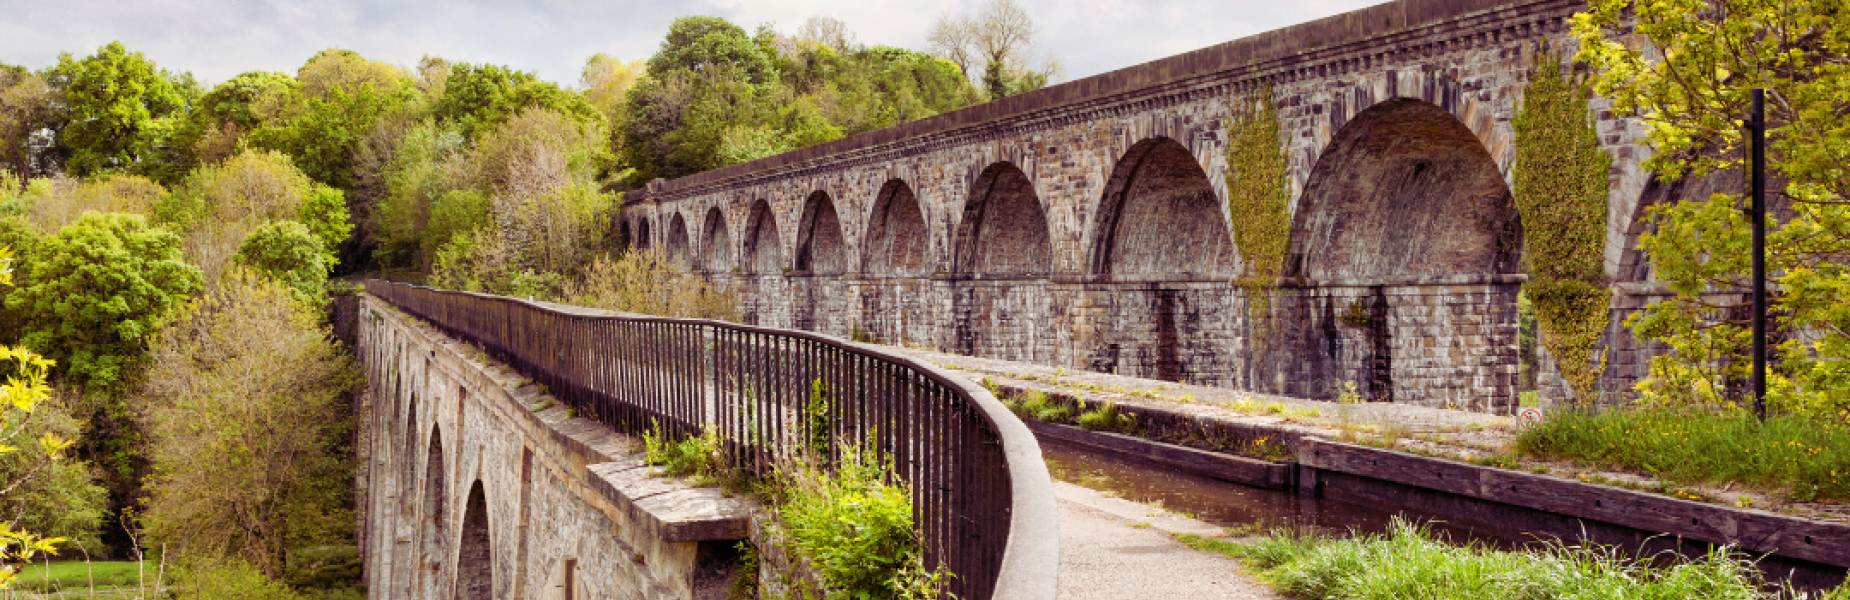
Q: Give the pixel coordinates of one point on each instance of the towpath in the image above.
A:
(1116, 549)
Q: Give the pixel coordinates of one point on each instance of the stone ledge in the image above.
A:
(1217, 465)
(671, 509)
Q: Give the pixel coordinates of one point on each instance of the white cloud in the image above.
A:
(216, 39)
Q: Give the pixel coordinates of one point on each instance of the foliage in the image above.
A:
(217, 206)
(817, 423)
(1000, 37)
(111, 107)
(1107, 417)
(218, 123)
(1412, 562)
(97, 289)
(324, 211)
(321, 127)
(58, 498)
(856, 529)
(25, 108)
(648, 282)
(1258, 197)
(24, 393)
(232, 579)
(1560, 189)
(694, 456)
(289, 253)
(1692, 92)
(246, 403)
(1803, 457)
(419, 171)
(478, 98)
(51, 204)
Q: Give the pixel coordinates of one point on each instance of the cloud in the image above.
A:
(216, 39)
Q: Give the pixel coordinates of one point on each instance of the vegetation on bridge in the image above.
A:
(1258, 200)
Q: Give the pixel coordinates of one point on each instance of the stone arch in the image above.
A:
(897, 238)
(764, 252)
(716, 254)
(433, 522)
(1004, 229)
(475, 573)
(676, 245)
(820, 249)
(1405, 191)
(641, 240)
(1160, 219)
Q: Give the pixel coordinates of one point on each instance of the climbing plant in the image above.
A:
(1561, 193)
(1258, 196)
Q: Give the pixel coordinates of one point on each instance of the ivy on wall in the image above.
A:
(1561, 189)
(1258, 196)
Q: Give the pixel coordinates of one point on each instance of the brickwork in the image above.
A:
(1085, 225)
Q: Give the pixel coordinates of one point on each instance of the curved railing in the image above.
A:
(981, 495)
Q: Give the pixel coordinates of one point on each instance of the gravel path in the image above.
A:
(1102, 557)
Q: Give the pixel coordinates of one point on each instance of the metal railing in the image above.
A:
(982, 499)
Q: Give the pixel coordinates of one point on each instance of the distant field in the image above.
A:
(72, 575)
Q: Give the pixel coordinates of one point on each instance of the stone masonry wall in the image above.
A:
(1125, 286)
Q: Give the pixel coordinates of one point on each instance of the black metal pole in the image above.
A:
(1758, 214)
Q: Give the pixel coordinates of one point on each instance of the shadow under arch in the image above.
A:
(641, 241)
(475, 573)
(763, 253)
(716, 243)
(1160, 219)
(676, 245)
(434, 523)
(1003, 233)
(1404, 192)
(897, 238)
(820, 249)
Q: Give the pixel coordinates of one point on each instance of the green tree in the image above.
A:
(245, 405)
(25, 108)
(111, 102)
(342, 97)
(1692, 92)
(224, 116)
(25, 391)
(95, 291)
(706, 44)
(289, 253)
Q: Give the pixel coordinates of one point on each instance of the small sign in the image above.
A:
(1529, 417)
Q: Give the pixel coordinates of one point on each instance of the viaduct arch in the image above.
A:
(1086, 225)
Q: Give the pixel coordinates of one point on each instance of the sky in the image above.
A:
(217, 39)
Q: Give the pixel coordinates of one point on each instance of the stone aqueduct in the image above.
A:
(1085, 225)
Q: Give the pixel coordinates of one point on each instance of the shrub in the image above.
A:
(856, 529)
(696, 456)
(291, 254)
(648, 282)
(94, 292)
(1107, 417)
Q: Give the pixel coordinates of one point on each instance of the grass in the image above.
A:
(76, 574)
(1804, 458)
(1412, 562)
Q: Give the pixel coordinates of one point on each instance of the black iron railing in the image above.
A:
(981, 496)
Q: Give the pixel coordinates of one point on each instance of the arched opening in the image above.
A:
(763, 253)
(1160, 219)
(642, 234)
(716, 244)
(624, 237)
(1404, 192)
(475, 573)
(820, 250)
(1403, 229)
(897, 238)
(676, 244)
(1004, 229)
(433, 524)
(404, 564)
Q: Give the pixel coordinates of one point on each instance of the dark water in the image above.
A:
(1238, 506)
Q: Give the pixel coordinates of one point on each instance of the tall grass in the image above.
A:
(1805, 458)
(1410, 562)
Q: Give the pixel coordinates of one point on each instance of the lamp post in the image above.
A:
(1757, 214)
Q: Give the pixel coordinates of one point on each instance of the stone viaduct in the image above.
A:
(1086, 224)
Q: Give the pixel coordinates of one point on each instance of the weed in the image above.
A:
(1107, 417)
(1139, 525)
(1348, 395)
(696, 456)
(571, 413)
(745, 583)
(1500, 461)
(855, 526)
(1803, 457)
(543, 405)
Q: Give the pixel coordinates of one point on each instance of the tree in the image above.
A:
(827, 31)
(290, 254)
(706, 44)
(111, 103)
(26, 392)
(342, 97)
(95, 291)
(1691, 89)
(346, 71)
(25, 109)
(607, 82)
(245, 403)
(224, 116)
(474, 94)
(218, 205)
(999, 37)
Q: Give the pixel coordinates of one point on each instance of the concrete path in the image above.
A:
(1102, 557)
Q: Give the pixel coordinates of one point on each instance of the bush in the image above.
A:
(92, 294)
(696, 456)
(51, 204)
(648, 282)
(856, 529)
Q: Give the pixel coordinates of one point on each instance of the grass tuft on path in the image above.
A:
(1411, 563)
(1804, 458)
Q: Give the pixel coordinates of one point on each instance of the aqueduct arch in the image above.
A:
(677, 244)
(897, 238)
(475, 573)
(1160, 220)
(820, 249)
(1003, 233)
(763, 253)
(716, 244)
(433, 520)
